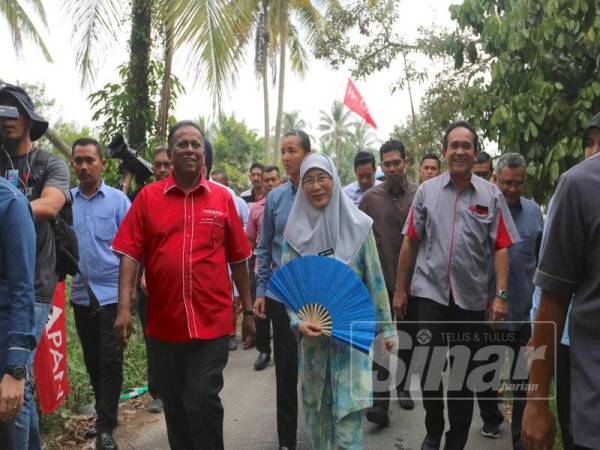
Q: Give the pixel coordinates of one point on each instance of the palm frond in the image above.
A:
(20, 24)
(298, 54)
(210, 29)
(95, 25)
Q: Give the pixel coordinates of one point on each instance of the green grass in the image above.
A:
(134, 374)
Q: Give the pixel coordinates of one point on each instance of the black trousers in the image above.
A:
(263, 326)
(489, 400)
(7, 429)
(285, 348)
(190, 378)
(381, 397)
(142, 304)
(440, 335)
(563, 394)
(103, 358)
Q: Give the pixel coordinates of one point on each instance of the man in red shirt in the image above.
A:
(187, 231)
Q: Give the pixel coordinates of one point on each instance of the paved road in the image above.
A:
(249, 401)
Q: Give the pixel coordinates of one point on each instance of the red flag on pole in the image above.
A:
(354, 101)
(50, 362)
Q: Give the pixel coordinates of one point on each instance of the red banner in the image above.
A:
(354, 101)
(50, 362)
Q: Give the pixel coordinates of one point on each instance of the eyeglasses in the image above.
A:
(321, 180)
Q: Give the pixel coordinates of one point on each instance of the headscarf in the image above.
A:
(338, 230)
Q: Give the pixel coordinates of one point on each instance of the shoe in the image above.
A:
(90, 433)
(431, 443)
(285, 447)
(378, 415)
(405, 401)
(232, 344)
(262, 361)
(490, 431)
(155, 406)
(105, 441)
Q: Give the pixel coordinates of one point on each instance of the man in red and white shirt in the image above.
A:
(187, 231)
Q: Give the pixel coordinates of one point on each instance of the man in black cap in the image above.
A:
(44, 179)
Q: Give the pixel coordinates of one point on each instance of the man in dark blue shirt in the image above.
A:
(17, 266)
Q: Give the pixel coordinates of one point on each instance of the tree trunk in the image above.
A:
(58, 143)
(162, 119)
(265, 81)
(338, 151)
(139, 68)
(283, 19)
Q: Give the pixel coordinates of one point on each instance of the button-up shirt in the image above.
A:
(389, 209)
(96, 220)
(17, 268)
(458, 233)
(523, 257)
(355, 193)
(255, 220)
(186, 241)
(277, 210)
(570, 264)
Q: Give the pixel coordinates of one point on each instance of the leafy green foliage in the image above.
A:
(20, 24)
(543, 83)
(111, 102)
(235, 147)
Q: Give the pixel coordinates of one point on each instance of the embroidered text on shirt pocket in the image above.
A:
(212, 231)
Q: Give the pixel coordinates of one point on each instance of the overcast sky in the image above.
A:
(315, 92)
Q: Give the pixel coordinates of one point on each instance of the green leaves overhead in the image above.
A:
(21, 26)
(543, 83)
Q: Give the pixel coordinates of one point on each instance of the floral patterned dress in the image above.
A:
(326, 360)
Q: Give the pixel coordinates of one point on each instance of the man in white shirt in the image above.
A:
(364, 171)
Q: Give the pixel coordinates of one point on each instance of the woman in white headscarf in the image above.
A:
(335, 378)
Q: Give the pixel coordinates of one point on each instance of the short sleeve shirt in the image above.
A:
(458, 233)
(186, 242)
(570, 264)
(56, 174)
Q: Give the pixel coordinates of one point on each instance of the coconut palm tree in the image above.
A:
(292, 121)
(363, 137)
(336, 128)
(20, 24)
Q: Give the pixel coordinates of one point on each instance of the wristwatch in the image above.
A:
(248, 312)
(17, 372)
(502, 294)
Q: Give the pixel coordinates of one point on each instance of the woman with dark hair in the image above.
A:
(335, 377)
(295, 145)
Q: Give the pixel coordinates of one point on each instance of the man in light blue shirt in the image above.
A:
(98, 211)
(364, 171)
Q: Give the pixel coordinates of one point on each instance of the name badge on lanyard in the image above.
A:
(12, 176)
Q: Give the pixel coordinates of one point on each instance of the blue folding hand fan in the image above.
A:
(328, 293)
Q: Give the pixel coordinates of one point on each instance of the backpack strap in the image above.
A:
(38, 173)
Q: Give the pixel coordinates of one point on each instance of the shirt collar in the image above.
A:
(517, 206)
(170, 185)
(475, 181)
(403, 186)
(101, 190)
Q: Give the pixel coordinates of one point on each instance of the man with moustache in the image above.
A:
(98, 211)
(295, 145)
(271, 180)
(189, 293)
(388, 205)
(458, 226)
(44, 179)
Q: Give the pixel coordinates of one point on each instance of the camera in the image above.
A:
(131, 161)
(7, 112)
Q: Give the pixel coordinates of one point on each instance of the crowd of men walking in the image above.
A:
(460, 255)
